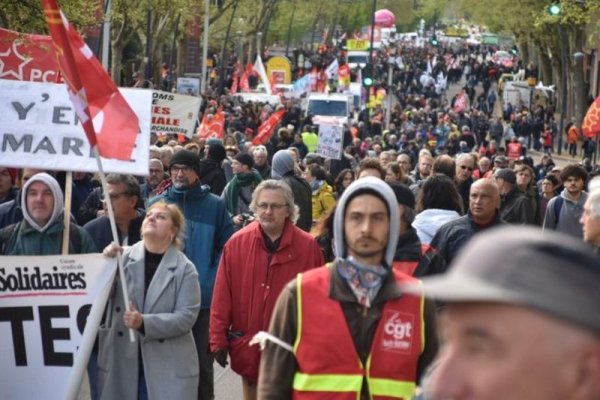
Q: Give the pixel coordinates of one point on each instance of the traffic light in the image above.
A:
(554, 9)
(514, 50)
(367, 75)
(433, 40)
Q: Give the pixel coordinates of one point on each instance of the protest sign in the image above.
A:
(174, 113)
(331, 140)
(40, 129)
(44, 302)
(189, 86)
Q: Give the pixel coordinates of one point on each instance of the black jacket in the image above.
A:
(453, 235)
(99, 230)
(302, 198)
(409, 249)
(516, 208)
(213, 175)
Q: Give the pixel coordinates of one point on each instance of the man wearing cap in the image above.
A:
(208, 227)
(352, 330)
(521, 319)
(484, 203)
(41, 230)
(283, 169)
(238, 192)
(564, 211)
(413, 257)
(515, 207)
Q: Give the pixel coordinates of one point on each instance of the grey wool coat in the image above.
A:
(168, 352)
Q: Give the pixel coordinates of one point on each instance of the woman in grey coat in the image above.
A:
(164, 295)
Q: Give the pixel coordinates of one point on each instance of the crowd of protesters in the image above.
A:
(456, 166)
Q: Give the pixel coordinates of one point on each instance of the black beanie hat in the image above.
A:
(216, 152)
(188, 158)
(404, 195)
(246, 159)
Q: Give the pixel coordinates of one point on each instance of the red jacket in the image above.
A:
(248, 283)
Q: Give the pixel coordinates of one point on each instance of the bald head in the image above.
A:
(484, 201)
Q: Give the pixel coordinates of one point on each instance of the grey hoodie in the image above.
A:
(380, 189)
(56, 193)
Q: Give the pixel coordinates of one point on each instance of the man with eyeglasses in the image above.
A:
(347, 328)
(208, 227)
(463, 177)
(156, 175)
(256, 264)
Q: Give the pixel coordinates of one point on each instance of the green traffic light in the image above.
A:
(554, 9)
(367, 81)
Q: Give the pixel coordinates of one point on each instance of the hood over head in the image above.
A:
(56, 193)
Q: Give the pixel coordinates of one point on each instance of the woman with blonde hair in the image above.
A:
(164, 295)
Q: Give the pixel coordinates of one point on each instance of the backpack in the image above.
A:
(6, 238)
(557, 207)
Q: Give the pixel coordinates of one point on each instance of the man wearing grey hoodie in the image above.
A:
(41, 230)
(366, 315)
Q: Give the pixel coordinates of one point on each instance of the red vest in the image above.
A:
(326, 355)
(409, 267)
(514, 150)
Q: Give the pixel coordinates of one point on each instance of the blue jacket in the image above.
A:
(207, 228)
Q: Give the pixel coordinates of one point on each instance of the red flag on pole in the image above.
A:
(265, 130)
(460, 103)
(591, 122)
(212, 128)
(94, 95)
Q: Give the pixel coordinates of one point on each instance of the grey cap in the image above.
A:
(506, 174)
(546, 271)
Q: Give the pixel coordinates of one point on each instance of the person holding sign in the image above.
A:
(165, 300)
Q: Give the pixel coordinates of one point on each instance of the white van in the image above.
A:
(357, 59)
(329, 107)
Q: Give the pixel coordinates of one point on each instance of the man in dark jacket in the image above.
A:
(283, 168)
(211, 172)
(463, 178)
(515, 207)
(484, 202)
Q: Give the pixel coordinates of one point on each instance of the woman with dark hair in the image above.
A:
(394, 173)
(342, 181)
(526, 183)
(549, 185)
(438, 202)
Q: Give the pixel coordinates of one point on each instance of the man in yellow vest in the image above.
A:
(347, 328)
(310, 138)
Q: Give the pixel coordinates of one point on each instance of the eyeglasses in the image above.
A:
(465, 167)
(176, 169)
(116, 196)
(272, 206)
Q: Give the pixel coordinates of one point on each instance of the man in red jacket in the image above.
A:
(255, 265)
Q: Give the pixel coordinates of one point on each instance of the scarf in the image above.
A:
(315, 186)
(237, 182)
(364, 280)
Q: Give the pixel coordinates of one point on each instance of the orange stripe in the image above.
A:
(54, 21)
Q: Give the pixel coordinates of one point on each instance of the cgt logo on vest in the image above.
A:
(397, 332)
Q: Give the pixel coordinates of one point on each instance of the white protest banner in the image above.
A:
(44, 302)
(331, 140)
(174, 113)
(189, 86)
(39, 129)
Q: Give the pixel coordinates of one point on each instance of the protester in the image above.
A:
(256, 264)
(510, 297)
(8, 178)
(211, 171)
(515, 207)
(355, 297)
(590, 219)
(238, 192)
(41, 232)
(156, 176)
(209, 227)
(164, 295)
(323, 200)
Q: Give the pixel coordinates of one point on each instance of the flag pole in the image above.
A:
(113, 228)
(67, 212)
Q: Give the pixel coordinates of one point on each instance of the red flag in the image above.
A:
(244, 85)
(460, 103)
(93, 94)
(265, 130)
(212, 128)
(27, 57)
(591, 122)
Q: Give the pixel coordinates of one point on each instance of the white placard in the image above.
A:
(189, 86)
(39, 129)
(174, 113)
(331, 141)
(44, 302)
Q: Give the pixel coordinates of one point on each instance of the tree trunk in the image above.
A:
(546, 69)
(115, 57)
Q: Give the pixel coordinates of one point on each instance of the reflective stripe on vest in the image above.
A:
(348, 377)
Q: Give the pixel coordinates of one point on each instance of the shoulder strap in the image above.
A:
(558, 203)
(5, 235)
